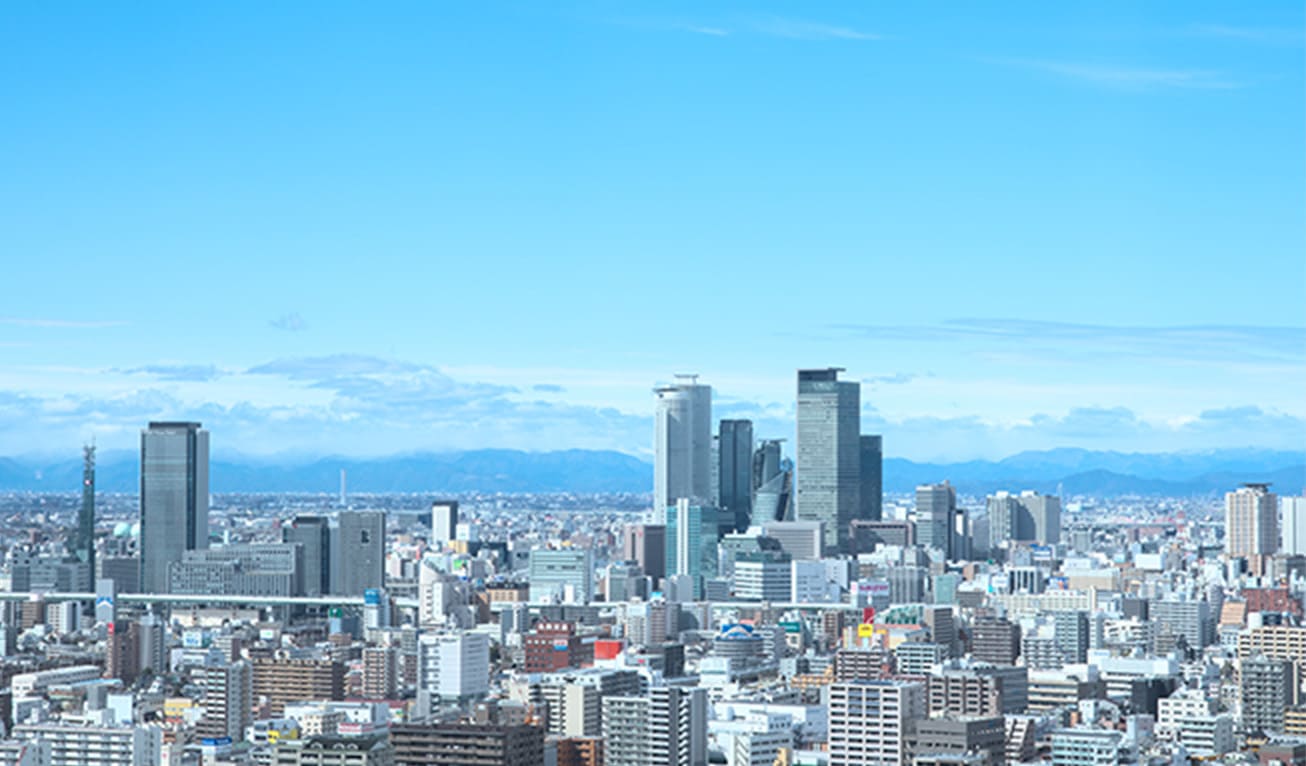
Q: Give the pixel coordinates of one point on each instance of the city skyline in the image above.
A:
(367, 258)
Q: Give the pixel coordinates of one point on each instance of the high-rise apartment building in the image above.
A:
(1070, 629)
(871, 720)
(174, 498)
(667, 727)
(358, 552)
(682, 444)
(450, 744)
(1267, 688)
(995, 640)
(735, 475)
(871, 456)
(828, 481)
(83, 542)
(227, 698)
(282, 681)
(1251, 527)
(314, 536)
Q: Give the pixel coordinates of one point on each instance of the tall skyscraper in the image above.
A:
(1251, 525)
(83, 543)
(692, 542)
(314, 536)
(773, 484)
(828, 481)
(735, 475)
(174, 498)
(1294, 525)
(358, 553)
(936, 517)
(871, 455)
(682, 444)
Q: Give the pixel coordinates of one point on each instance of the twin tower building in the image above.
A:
(837, 478)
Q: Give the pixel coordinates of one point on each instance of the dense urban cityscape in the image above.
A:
(759, 610)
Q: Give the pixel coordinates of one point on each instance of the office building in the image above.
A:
(647, 545)
(1189, 619)
(266, 569)
(467, 745)
(1086, 747)
(313, 535)
(828, 482)
(563, 575)
(692, 543)
(444, 523)
(773, 484)
(735, 475)
(1251, 521)
(454, 667)
(1028, 517)
(802, 540)
(1294, 525)
(763, 576)
(871, 474)
(867, 536)
(983, 736)
(174, 498)
(358, 552)
(666, 727)
(870, 721)
(936, 517)
(682, 445)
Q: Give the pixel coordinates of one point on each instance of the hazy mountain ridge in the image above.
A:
(1077, 471)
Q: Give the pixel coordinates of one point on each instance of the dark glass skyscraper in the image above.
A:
(735, 475)
(872, 471)
(174, 498)
(313, 533)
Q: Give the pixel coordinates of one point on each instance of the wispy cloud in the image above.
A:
(711, 31)
(1271, 35)
(60, 323)
(800, 29)
(1127, 77)
(289, 322)
(1197, 343)
(178, 372)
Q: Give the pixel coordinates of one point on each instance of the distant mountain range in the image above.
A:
(1076, 471)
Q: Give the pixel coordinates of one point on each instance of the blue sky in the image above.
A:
(366, 229)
